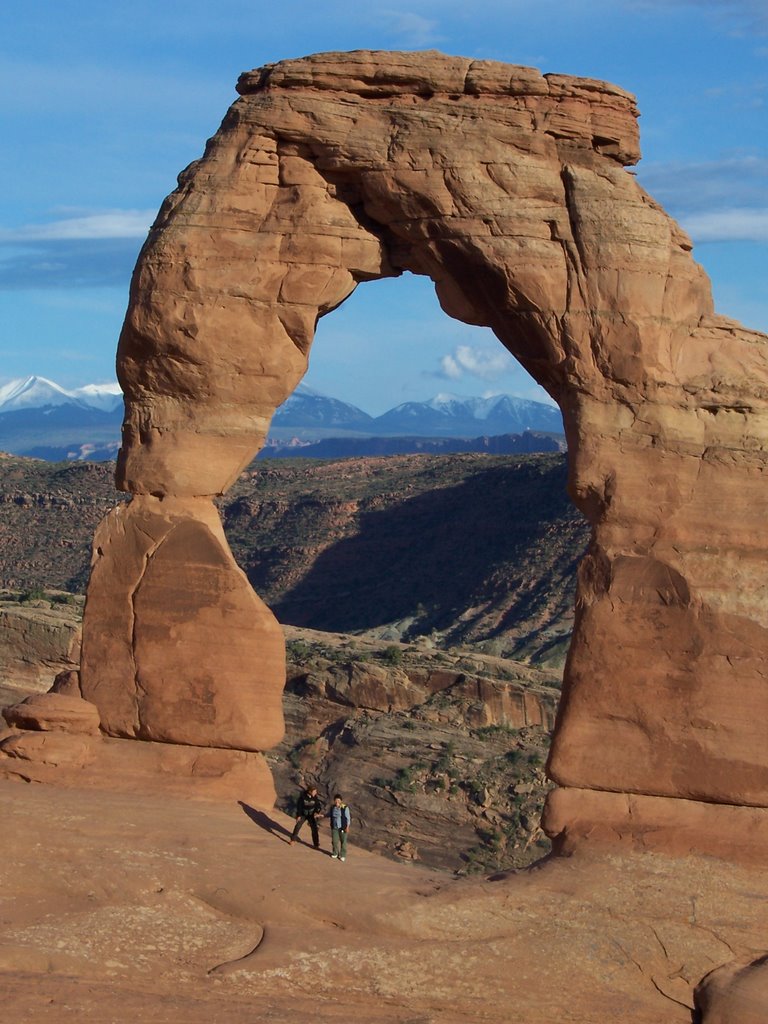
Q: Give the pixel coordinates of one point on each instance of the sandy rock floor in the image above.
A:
(118, 908)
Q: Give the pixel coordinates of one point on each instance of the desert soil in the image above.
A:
(141, 907)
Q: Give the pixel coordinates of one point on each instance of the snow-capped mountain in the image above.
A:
(308, 408)
(40, 393)
(100, 396)
(40, 418)
(459, 416)
(32, 393)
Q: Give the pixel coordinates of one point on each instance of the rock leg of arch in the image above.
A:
(178, 648)
(509, 189)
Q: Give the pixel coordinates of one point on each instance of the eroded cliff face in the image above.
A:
(509, 189)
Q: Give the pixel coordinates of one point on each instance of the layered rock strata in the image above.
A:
(508, 188)
(37, 640)
(55, 737)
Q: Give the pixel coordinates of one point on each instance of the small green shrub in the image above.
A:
(392, 655)
(298, 650)
(294, 755)
(495, 730)
(403, 781)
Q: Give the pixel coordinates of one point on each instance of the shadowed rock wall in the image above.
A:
(507, 188)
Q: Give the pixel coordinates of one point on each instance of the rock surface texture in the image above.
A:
(54, 712)
(120, 907)
(508, 188)
(736, 993)
(37, 640)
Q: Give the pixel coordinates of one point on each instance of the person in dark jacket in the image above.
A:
(308, 809)
(340, 818)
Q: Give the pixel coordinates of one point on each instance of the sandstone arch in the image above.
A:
(509, 189)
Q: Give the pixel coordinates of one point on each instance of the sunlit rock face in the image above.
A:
(508, 188)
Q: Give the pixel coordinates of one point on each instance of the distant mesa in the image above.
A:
(40, 418)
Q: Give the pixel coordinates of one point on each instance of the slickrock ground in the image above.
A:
(120, 908)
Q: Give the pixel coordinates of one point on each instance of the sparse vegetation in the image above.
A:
(392, 655)
(297, 650)
(495, 730)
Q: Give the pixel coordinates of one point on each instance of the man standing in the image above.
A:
(308, 809)
(340, 818)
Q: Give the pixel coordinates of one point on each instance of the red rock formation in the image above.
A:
(736, 993)
(125, 766)
(54, 712)
(36, 642)
(508, 189)
(177, 647)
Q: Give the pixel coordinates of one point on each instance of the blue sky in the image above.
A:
(103, 104)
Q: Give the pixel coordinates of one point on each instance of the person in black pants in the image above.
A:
(309, 809)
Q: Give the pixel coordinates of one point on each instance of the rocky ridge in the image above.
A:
(440, 753)
(358, 545)
(39, 637)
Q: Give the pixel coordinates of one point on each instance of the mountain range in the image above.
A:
(39, 418)
(41, 393)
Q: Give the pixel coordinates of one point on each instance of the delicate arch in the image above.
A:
(507, 188)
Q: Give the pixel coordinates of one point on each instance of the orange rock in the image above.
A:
(176, 645)
(508, 189)
(29, 753)
(575, 817)
(131, 766)
(54, 712)
(734, 994)
(67, 681)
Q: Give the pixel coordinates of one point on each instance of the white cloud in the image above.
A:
(106, 224)
(734, 225)
(736, 181)
(722, 200)
(412, 29)
(450, 368)
(475, 362)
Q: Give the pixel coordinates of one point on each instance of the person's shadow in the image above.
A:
(263, 820)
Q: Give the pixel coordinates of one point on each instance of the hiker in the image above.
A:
(308, 808)
(340, 818)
